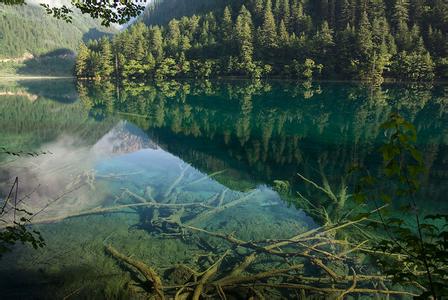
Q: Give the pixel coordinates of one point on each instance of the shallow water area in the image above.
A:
(123, 166)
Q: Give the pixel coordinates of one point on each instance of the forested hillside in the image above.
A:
(346, 39)
(28, 29)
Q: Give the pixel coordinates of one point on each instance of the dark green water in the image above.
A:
(185, 143)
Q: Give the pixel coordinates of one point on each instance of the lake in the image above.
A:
(123, 165)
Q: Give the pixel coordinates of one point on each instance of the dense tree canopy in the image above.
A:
(363, 40)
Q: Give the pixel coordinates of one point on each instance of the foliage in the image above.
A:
(413, 67)
(417, 245)
(108, 11)
(305, 70)
(167, 68)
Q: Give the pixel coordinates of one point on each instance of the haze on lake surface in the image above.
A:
(212, 144)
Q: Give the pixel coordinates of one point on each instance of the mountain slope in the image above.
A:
(28, 29)
(34, 43)
(161, 12)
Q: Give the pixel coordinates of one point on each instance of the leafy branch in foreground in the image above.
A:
(17, 229)
(115, 11)
(410, 247)
(420, 243)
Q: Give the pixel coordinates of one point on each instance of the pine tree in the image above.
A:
(93, 66)
(150, 63)
(325, 37)
(276, 8)
(322, 45)
(106, 67)
(285, 12)
(258, 9)
(244, 37)
(436, 42)
(344, 14)
(156, 43)
(296, 13)
(140, 50)
(380, 30)
(173, 37)
(82, 60)
(364, 37)
(375, 53)
(365, 47)
(401, 15)
(346, 41)
(227, 26)
(185, 44)
(204, 35)
(377, 9)
(283, 35)
(268, 32)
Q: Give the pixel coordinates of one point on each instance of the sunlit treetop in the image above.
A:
(108, 11)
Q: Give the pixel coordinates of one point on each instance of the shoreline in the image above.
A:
(272, 78)
(231, 78)
(32, 77)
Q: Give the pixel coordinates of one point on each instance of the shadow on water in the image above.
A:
(59, 90)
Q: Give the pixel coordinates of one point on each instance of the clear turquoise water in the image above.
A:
(183, 143)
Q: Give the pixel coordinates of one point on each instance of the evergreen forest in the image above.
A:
(366, 40)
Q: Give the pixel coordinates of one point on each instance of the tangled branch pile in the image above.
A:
(315, 262)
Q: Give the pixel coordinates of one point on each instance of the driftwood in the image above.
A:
(104, 210)
(176, 182)
(206, 277)
(215, 210)
(212, 283)
(144, 269)
(203, 178)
